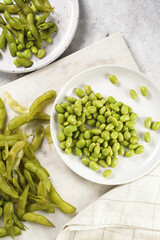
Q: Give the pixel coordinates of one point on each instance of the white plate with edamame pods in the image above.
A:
(66, 17)
(128, 169)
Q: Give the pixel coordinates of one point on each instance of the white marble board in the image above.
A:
(74, 189)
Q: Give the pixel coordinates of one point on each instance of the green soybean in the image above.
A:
(148, 122)
(93, 165)
(113, 79)
(102, 163)
(78, 151)
(155, 126)
(68, 151)
(129, 153)
(130, 124)
(98, 95)
(87, 90)
(59, 108)
(124, 118)
(127, 135)
(108, 160)
(79, 92)
(97, 103)
(116, 147)
(114, 162)
(71, 99)
(139, 150)
(85, 161)
(111, 99)
(144, 91)
(133, 146)
(134, 140)
(61, 136)
(133, 116)
(133, 94)
(107, 173)
(86, 152)
(121, 150)
(147, 137)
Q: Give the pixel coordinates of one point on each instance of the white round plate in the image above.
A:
(66, 16)
(128, 169)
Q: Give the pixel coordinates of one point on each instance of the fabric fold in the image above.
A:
(126, 212)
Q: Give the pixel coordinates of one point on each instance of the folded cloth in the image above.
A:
(127, 212)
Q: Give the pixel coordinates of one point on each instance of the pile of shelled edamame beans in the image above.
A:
(25, 185)
(99, 129)
(27, 32)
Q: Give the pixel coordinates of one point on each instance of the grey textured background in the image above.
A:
(137, 21)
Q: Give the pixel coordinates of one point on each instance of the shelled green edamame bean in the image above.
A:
(111, 133)
(113, 79)
(133, 94)
(144, 91)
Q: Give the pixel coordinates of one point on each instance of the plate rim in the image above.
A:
(52, 119)
(73, 28)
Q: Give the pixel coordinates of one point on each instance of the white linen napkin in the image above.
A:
(127, 212)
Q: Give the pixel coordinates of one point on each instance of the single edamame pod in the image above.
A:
(37, 138)
(11, 41)
(133, 94)
(144, 91)
(147, 137)
(21, 61)
(2, 40)
(113, 79)
(8, 2)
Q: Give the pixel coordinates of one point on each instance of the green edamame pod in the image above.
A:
(47, 32)
(21, 61)
(11, 41)
(2, 113)
(64, 206)
(37, 138)
(11, 21)
(2, 40)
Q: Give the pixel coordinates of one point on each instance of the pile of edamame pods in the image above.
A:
(99, 129)
(26, 32)
(25, 186)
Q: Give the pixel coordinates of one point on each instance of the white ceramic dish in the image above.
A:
(66, 17)
(128, 169)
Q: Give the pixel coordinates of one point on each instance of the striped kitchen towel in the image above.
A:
(127, 212)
